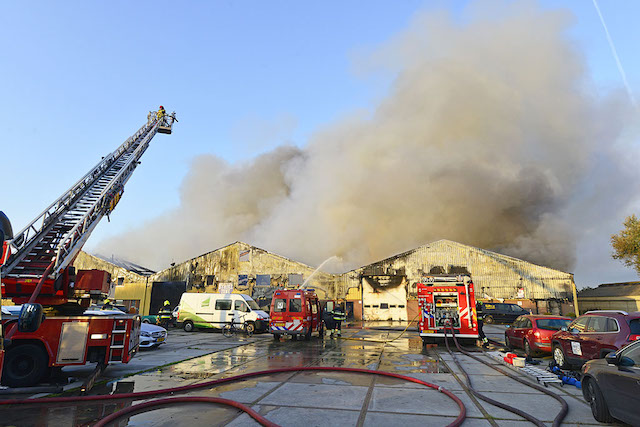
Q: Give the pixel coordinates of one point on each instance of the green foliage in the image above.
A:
(626, 244)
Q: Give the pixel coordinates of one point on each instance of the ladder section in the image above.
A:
(62, 229)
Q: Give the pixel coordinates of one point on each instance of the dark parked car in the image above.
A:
(611, 385)
(533, 332)
(499, 312)
(593, 335)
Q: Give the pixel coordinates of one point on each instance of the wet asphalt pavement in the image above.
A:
(309, 398)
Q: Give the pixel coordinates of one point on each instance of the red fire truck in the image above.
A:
(447, 300)
(36, 271)
(295, 312)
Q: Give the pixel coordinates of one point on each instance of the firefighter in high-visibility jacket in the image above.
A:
(338, 317)
(161, 112)
(164, 315)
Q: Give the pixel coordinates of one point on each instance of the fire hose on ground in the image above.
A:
(559, 417)
(151, 405)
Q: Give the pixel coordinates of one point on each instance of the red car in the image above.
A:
(593, 335)
(533, 332)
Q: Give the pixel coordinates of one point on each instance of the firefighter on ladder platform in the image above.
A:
(164, 315)
(161, 112)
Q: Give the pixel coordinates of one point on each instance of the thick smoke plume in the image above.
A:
(487, 137)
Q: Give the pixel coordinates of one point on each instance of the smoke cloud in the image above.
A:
(488, 136)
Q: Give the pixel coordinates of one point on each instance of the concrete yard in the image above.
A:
(308, 398)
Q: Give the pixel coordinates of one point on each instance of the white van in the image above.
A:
(201, 310)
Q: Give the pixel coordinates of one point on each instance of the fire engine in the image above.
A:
(447, 301)
(37, 272)
(295, 312)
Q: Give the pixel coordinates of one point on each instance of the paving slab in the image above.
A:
(193, 415)
(317, 396)
(542, 407)
(447, 381)
(295, 417)
(383, 419)
(412, 401)
(333, 378)
(248, 391)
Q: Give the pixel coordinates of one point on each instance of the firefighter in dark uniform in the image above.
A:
(106, 305)
(338, 317)
(482, 336)
(164, 315)
(327, 319)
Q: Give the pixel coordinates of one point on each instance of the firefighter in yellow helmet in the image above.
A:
(164, 315)
(106, 305)
(161, 112)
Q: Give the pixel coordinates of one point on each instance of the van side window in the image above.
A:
(223, 304)
(295, 305)
(240, 306)
(314, 307)
(280, 305)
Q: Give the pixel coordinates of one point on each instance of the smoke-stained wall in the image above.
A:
(495, 276)
(243, 268)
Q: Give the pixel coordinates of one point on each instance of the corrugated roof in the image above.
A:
(612, 290)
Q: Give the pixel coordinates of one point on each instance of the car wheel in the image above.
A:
(276, 337)
(527, 349)
(145, 321)
(598, 405)
(507, 343)
(488, 319)
(559, 357)
(24, 365)
(188, 326)
(307, 336)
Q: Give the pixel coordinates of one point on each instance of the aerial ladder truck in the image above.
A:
(50, 331)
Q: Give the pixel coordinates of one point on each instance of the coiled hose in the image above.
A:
(558, 419)
(147, 406)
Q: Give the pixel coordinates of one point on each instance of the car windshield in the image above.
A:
(552, 324)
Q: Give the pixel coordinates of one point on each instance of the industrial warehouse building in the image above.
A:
(386, 287)
(237, 267)
(611, 296)
(384, 290)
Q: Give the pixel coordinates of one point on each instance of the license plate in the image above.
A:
(279, 324)
(428, 331)
(160, 339)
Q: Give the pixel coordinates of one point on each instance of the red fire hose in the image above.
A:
(150, 405)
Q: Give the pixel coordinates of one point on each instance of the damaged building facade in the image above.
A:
(388, 288)
(384, 290)
(238, 267)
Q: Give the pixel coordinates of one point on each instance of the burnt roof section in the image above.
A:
(623, 289)
(127, 265)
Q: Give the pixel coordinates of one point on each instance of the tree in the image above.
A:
(626, 244)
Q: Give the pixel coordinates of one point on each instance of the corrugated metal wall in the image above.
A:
(494, 275)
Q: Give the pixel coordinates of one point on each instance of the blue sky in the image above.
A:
(78, 78)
